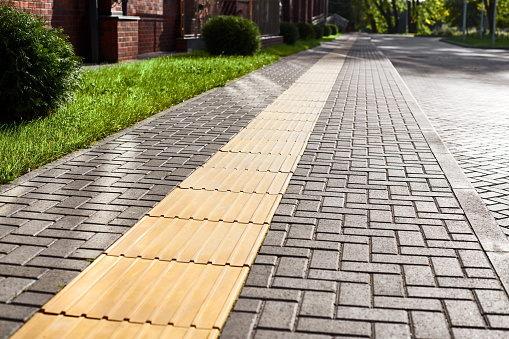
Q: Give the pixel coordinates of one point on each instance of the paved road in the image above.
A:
(465, 94)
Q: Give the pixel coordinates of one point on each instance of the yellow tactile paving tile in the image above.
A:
(217, 206)
(269, 135)
(218, 243)
(250, 161)
(282, 125)
(151, 291)
(247, 181)
(65, 327)
(289, 116)
(277, 147)
(295, 106)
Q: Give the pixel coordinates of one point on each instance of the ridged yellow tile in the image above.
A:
(250, 161)
(155, 291)
(247, 181)
(268, 115)
(219, 243)
(64, 327)
(272, 146)
(217, 206)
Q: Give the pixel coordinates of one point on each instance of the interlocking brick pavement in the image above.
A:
(55, 220)
(464, 93)
(379, 233)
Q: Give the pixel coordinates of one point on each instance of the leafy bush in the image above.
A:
(38, 67)
(306, 31)
(333, 29)
(326, 30)
(290, 33)
(318, 31)
(230, 35)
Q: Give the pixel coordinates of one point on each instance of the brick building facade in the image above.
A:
(150, 25)
(118, 30)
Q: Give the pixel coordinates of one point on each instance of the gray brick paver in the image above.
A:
(421, 257)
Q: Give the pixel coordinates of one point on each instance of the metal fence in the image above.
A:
(195, 13)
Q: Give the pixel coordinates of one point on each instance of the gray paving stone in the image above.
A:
(325, 260)
(335, 327)
(318, 304)
(351, 294)
(11, 287)
(8, 327)
(21, 255)
(292, 267)
(278, 314)
(430, 325)
(261, 275)
(248, 305)
(271, 294)
(371, 314)
(493, 301)
(447, 267)
(383, 330)
(388, 284)
(239, 325)
(304, 284)
(464, 313)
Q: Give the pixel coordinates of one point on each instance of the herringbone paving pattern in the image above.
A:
(370, 239)
(464, 93)
(56, 220)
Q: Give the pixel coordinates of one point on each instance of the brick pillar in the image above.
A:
(118, 38)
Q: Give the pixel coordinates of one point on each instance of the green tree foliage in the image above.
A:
(389, 16)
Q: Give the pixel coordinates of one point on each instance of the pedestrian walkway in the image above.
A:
(379, 233)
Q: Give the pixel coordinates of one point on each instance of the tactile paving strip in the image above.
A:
(178, 271)
(217, 206)
(204, 242)
(155, 291)
(246, 181)
(255, 162)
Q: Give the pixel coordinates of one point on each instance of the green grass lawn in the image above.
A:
(113, 98)
(485, 41)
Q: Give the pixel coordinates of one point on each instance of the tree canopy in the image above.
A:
(400, 16)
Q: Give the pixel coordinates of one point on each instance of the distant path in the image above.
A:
(465, 93)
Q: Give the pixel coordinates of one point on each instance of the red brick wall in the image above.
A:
(127, 40)
(158, 27)
(118, 39)
(71, 15)
(40, 7)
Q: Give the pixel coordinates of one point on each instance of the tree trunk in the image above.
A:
(396, 16)
(489, 13)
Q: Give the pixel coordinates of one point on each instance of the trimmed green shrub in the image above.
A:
(333, 29)
(306, 31)
(326, 30)
(231, 35)
(38, 67)
(318, 31)
(290, 33)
